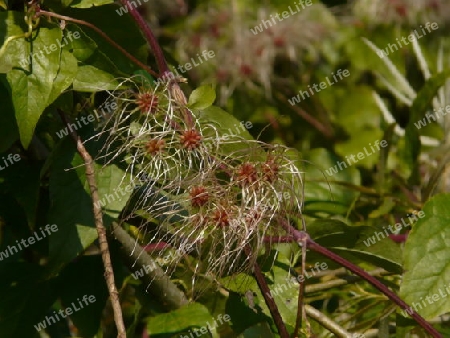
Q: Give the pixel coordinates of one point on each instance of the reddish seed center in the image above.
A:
(220, 217)
(190, 139)
(148, 103)
(222, 75)
(401, 11)
(246, 174)
(270, 170)
(199, 196)
(246, 69)
(278, 41)
(155, 146)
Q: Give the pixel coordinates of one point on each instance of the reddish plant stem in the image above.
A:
(278, 239)
(145, 29)
(321, 127)
(376, 283)
(270, 302)
(164, 71)
(303, 238)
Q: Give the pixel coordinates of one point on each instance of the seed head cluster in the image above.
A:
(244, 59)
(401, 12)
(219, 199)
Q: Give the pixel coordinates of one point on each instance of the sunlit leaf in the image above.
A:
(427, 253)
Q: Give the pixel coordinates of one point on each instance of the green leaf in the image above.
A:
(202, 97)
(384, 209)
(239, 283)
(32, 83)
(258, 331)
(283, 290)
(376, 259)
(66, 73)
(225, 123)
(84, 47)
(242, 315)
(122, 29)
(25, 175)
(421, 104)
(285, 294)
(114, 193)
(84, 277)
(189, 317)
(4, 4)
(91, 79)
(425, 96)
(12, 25)
(71, 207)
(348, 109)
(411, 152)
(332, 233)
(22, 307)
(427, 256)
(230, 130)
(144, 74)
(89, 3)
(321, 194)
(8, 125)
(362, 150)
(349, 242)
(13, 221)
(362, 131)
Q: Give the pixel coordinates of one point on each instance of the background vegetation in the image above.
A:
(252, 77)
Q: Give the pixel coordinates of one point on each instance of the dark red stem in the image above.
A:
(278, 239)
(159, 56)
(270, 302)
